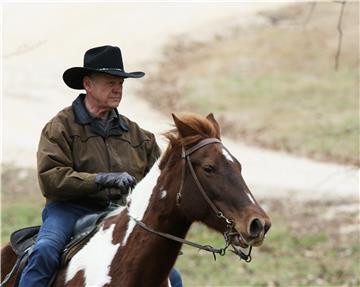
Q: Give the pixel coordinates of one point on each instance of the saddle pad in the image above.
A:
(24, 238)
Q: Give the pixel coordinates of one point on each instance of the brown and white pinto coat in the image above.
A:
(123, 254)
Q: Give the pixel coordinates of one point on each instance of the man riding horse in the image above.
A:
(89, 156)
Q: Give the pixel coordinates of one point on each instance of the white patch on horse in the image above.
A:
(94, 259)
(163, 194)
(227, 155)
(251, 197)
(140, 198)
(116, 211)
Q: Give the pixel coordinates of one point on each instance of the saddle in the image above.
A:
(23, 240)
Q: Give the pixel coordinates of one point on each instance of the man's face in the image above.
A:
(104, 91)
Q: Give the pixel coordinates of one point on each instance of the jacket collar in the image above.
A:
(83, 117)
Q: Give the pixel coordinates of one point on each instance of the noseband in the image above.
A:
(185, 156)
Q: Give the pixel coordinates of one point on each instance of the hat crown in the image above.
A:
(104, 57)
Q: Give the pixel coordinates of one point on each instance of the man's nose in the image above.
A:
(117, 88)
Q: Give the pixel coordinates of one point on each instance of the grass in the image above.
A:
(19, 215)
(274, 86)
(21, 200)
(286, 112)
(302, 249)
(313, 243)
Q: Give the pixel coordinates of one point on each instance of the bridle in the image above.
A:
(228, 234)
(185, 155)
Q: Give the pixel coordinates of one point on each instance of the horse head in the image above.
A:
(211, 188)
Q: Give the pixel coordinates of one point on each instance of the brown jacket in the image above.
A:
(73, 149)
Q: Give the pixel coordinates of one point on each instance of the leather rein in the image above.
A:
(228, 234)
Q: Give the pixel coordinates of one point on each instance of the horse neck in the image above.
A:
(159, 190)
(164, 215)
(154, 203)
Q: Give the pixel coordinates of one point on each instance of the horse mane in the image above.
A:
(199, 128)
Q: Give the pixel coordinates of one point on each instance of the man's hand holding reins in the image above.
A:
(118, 180)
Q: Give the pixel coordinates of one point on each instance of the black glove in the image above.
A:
(117, 194)
(121, 180)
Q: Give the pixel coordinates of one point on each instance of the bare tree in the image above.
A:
(339, 28)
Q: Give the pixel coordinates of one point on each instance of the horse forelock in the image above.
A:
(201, 128)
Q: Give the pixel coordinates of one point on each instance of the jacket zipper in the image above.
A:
(108, 154)
(109, 166)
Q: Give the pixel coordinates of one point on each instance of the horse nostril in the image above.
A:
(255, 227)
(267, 226)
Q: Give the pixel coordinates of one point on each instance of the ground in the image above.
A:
(310, 243)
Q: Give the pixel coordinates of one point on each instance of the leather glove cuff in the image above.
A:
(121, 180)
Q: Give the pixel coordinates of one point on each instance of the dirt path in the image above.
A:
(42, 40)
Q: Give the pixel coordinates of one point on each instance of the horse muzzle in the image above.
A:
(253, 234)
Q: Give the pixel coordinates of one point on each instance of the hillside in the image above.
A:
(273, 83)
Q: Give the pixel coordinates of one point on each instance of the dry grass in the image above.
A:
(273, 85)
(310, 244)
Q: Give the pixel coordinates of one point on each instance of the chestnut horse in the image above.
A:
(196, 179)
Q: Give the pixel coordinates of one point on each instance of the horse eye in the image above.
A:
(209, 168)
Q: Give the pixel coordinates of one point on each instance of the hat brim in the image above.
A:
(73, 77)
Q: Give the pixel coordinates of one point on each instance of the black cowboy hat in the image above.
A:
(104, 59)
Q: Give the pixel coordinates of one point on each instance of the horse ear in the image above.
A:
(183, 128)
(211, 118)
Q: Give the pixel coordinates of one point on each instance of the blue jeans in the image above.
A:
(59, 219)
(175, 278)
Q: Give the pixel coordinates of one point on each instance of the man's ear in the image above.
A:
(183, 128)
(86, 83)
(211, 118)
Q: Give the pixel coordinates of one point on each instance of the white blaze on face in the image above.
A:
(94, 259)
(230, 158)
(251, 197)
(227, 155)
(140, 198)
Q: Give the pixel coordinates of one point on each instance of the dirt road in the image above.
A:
(42, 40)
